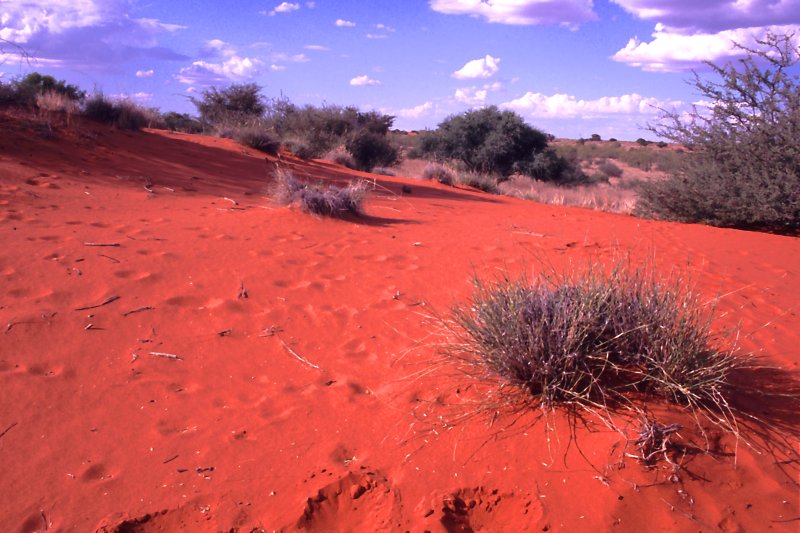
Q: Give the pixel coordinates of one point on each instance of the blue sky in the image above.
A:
(569, 67)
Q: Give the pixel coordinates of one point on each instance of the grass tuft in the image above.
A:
(592, 340)
(259, 139)
(438, 172)
(321, 200)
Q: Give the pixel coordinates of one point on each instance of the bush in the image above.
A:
(610, 169)
(487, 140)
(745, 168)
(482, 182)
(322, 200)
(438, 172)
(548, 165)
(591, 339)
(55, 102)
(235, 105)
(123, 114)
(26, 90)
(340, 156)
(259, 139)
(371, 149)
(182, 122)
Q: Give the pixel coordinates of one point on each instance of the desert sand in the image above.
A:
(177, 353)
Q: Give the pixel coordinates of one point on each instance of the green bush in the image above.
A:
(482, 182)
(370, 149)
(259, 139)
(235, 105)
(487, 140)
(24, 91)
(123, 114)
(182, 122)
(744, 170)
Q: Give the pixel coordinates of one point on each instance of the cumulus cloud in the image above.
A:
(567, 106)
(569, 13)
(476, 96)
(669, 51)
(145, 73)
(234, 68)
(478, 68)
(713, 16)
(88, 34)
(344, 23)
(360, 81)
(283, 7)
(317, 48)
(416, 111)
(221, 63)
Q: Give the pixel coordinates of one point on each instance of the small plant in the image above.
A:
(610, 169)
(340, 156)
(259, 139)
(483, 182)
(592, 340)
(438, 172)
(383, 171)
(123, 114)
(322, 200)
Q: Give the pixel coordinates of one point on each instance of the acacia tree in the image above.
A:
(744, 169)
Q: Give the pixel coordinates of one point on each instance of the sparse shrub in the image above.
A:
(483, 182)
(322, 200)
(383, 171)
(438, 172)
(98, 107)
(25, 91)
(744, 171)
(596, 137)
(300, 148)
(642, 142)
(662, 144)
(182, 122)
(370, 149)
(123, 114)
(259, 139)
(130, 115)
(341, 156)
(591, 339)
(610, 169)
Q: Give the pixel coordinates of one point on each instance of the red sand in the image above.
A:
(300, 395)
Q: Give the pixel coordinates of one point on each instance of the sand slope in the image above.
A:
(222, 363)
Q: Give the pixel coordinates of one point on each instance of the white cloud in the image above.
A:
(377, 36)
(145, 73)
(87, 34)
(317, 48)
(712, 16)
(217, 47)
(283, 7)
(669, 51)
(234, 68)
(290, 58)
(344, 23)
(417, 111)
(478, 68)
(360, 81)
(277, 68)
(569, 13)
(476, 96)
(567, 106)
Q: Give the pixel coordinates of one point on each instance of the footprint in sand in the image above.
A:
(365, 500)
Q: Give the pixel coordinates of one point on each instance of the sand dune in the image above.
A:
(177, 353)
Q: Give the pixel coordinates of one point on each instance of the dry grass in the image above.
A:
(321, 200)
(438, 172)
(601, 196)
(593, 340)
